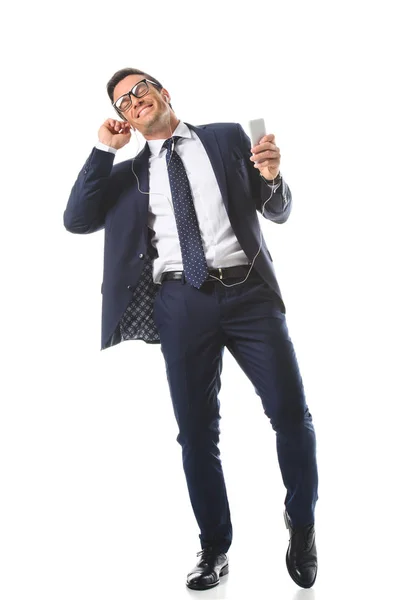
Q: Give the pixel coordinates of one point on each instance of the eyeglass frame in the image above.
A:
(131, 93)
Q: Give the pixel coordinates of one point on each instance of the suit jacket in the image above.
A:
(106, 196)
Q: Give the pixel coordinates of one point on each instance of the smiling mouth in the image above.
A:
(147, 108)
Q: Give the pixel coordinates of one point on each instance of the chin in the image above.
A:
(153, 121)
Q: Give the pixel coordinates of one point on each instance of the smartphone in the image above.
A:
(257, 131)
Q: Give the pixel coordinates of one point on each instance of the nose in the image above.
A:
(136, 102)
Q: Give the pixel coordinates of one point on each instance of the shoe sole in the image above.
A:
(292, 573)
(224, 571)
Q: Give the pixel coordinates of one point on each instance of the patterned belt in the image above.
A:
(220, 273)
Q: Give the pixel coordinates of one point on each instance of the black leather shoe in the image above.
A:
(301, 556)
(212, 565)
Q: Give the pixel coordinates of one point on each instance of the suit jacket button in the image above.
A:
(141, 255)
(129, 287)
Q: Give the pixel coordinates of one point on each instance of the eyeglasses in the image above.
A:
(139, 89)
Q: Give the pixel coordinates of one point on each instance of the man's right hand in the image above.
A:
(114, 133)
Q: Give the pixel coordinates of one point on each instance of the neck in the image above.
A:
(164, 129)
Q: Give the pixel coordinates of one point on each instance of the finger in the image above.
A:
(114, 125)
(125, 128)
(267, 154)
(268, 162)
(264, 146)
(271, 164)
(268, 138)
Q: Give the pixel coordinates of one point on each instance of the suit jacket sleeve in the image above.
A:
(92, 194)
(278, 208)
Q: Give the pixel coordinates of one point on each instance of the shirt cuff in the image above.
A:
(101, 146)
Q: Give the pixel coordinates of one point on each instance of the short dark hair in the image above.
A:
(121, 74)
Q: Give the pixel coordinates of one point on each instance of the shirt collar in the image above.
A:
(156, 145)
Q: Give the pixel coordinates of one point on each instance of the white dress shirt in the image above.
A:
(221, 247)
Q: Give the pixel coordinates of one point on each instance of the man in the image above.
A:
(186, 266)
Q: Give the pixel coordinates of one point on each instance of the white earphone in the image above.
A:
(273, 190)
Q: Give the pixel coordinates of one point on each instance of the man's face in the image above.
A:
(147, 111)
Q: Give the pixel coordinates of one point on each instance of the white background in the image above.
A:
(93, 498)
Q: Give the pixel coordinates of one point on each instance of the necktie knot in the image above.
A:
(168, 143)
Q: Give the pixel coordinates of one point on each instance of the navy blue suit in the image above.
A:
(193, 326)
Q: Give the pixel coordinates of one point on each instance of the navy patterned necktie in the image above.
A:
(194, 260)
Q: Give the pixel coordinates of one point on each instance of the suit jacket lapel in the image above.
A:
(141, 168)
(210, 143)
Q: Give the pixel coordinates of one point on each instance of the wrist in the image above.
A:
(276, 179)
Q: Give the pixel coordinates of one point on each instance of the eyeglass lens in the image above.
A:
(125, 101)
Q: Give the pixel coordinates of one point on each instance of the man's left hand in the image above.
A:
(267, 157)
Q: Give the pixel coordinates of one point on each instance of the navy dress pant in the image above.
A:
(195, 325)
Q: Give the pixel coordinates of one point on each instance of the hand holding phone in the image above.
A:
(267, 165)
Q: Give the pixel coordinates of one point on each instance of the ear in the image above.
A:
(165, 95)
